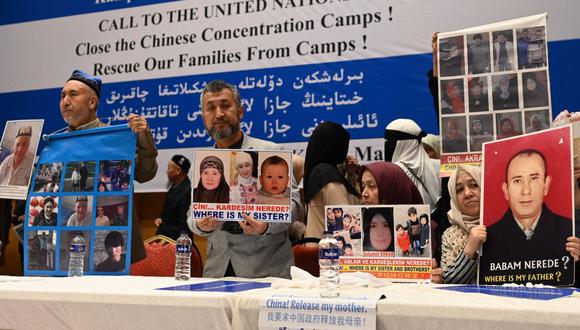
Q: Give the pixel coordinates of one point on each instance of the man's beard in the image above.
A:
(226, 133)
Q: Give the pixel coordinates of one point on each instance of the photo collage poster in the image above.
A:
(81, 190)
(493, 83)
(388, 241)
(528, 209)
(229, 183)
(17, 153)
(574, 120)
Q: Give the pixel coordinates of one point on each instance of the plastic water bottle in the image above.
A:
(76, 260)
(183, 257)
(328, 254)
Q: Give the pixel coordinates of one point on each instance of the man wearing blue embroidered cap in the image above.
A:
(79, 100)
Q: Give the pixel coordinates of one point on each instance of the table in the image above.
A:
(129, 302)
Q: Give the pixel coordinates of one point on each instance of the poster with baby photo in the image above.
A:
(528, 208)
(241, 185)
(390, 241)
(493, 83)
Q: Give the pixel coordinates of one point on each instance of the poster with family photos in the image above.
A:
(527, 204)
(230, 183)
(388, 241)
(494, 83)
(17, 153)
(81, 191)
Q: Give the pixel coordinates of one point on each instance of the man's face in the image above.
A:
(526, 186)
(275, 178)
(245, 169)
(221, 114)
(116, 252)
(81, 209)
(477, 41)
(78, 103)
(477, 127)
(120, 210)
(501, 38)
(172, 170)
(370, 190)
(413, 217)
(21, 145)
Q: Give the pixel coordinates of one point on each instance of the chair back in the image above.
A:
(160, 260)
(306, 255)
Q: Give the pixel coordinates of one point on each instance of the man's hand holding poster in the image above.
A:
(241, 185)
(528, 209)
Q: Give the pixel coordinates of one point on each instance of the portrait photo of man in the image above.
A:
(533, 231)
(17, 150)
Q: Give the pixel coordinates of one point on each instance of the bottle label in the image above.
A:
(77, 248)
(183, 248)
(331, 253)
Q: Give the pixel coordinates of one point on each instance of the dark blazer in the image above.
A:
(507, 242)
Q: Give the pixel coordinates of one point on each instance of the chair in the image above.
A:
(306, 255)
(160, 260)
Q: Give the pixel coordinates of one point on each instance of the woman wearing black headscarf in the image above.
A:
(212, 186)
(323, 183)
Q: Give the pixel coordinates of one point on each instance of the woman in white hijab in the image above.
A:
(403, 147)
(244, 189)
(464, 238)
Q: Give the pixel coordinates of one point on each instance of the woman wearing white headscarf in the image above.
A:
(403, 147)
(245, 191)
(464, 238)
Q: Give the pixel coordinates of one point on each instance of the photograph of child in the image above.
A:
(478, 53)
(244, 182)
(274, 178)
(481, 131)
(48, 177)
(503, 51)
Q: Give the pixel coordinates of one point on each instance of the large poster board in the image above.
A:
(388, 241)
(228, 183)
(528, 209)
(82, 185)
(17, 152)
(494, 83)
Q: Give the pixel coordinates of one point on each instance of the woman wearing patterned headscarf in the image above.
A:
(323, 183)
(463, 239)
(212, 186)
(245, 188)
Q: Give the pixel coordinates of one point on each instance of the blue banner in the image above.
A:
(81, 191)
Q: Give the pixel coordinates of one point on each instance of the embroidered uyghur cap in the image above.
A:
(24, 131)
(182, 162)
(93, 82)
(82, 199)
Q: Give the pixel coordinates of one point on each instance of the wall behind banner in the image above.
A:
(361, 64)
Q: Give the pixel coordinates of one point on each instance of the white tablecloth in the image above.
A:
(107, 302)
